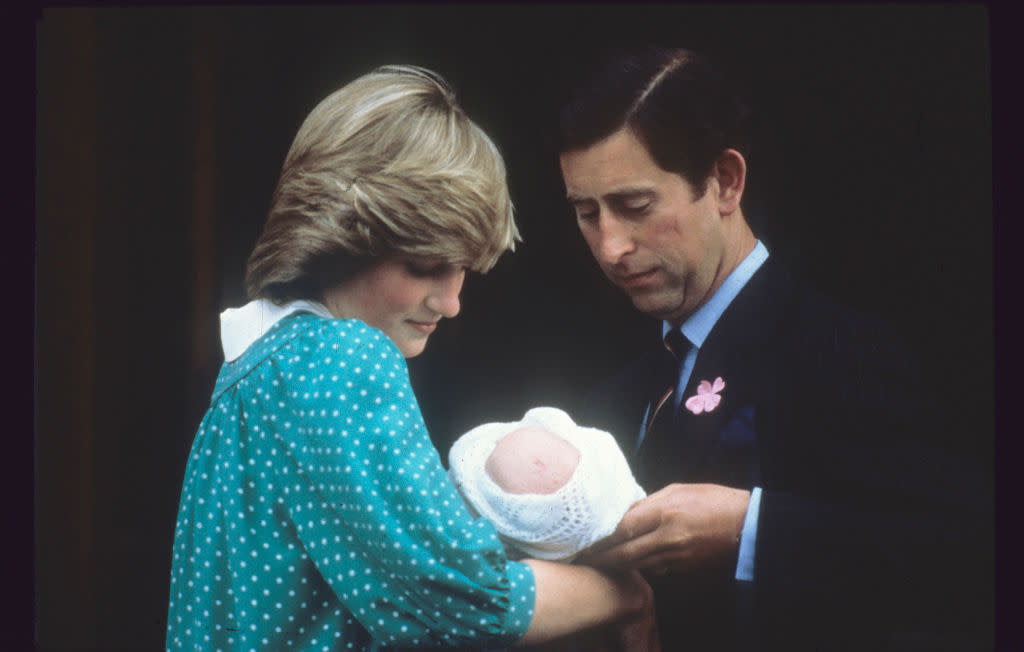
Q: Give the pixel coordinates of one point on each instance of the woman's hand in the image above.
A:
(635, 632)
(573, 598)
(639, 633)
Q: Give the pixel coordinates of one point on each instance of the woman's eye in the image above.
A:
(427, 270)
(417, 270)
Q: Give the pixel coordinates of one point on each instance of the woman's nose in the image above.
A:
(444, 298)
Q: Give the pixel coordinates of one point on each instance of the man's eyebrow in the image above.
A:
(630, 193)
(576, 199)
(616, 195)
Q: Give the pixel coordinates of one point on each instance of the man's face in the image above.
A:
(648, 231)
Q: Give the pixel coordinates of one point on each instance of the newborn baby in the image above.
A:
(550, 487)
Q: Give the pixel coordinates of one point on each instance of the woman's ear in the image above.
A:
(730, 170)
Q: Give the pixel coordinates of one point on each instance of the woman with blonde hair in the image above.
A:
(315, 512)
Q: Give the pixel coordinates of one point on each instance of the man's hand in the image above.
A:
(680, 528)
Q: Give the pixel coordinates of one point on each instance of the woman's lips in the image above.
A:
(425, 327)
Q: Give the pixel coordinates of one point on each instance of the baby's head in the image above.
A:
(551, 488)
(532, 460)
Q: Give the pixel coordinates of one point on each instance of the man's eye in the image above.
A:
(637, 208)
(585, 213)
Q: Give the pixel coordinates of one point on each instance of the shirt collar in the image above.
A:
(700, 323)
(240, 327)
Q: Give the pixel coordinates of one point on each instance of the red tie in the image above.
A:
(676, 346)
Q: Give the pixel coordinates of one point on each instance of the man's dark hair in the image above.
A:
(676, 103)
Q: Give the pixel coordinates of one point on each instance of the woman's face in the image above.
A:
(404, 296)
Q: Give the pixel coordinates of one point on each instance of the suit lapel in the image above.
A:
(700, 432)
(737, 350)
(617, 405)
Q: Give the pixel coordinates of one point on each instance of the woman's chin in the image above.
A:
(411, 348)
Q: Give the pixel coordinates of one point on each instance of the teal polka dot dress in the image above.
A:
(316, 513)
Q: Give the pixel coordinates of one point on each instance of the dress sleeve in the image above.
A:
(373, 505)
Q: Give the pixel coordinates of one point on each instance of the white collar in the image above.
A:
(240, 327)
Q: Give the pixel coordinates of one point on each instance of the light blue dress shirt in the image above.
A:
(696, 329)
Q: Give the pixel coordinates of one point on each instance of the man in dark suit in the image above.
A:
(798, 495)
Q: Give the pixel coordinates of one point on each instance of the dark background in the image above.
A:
(160, 134)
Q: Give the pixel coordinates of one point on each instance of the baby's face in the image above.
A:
(532, 460)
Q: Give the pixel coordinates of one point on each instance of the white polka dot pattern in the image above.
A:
(316, 514)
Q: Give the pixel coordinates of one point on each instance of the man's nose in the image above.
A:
(444, 299)
(614, 240)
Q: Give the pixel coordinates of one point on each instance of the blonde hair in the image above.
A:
(387, 165)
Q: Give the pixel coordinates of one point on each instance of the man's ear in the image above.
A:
(730, 170)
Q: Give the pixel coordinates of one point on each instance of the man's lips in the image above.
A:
(637, 279)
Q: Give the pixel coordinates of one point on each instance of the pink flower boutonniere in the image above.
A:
(707, 397)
